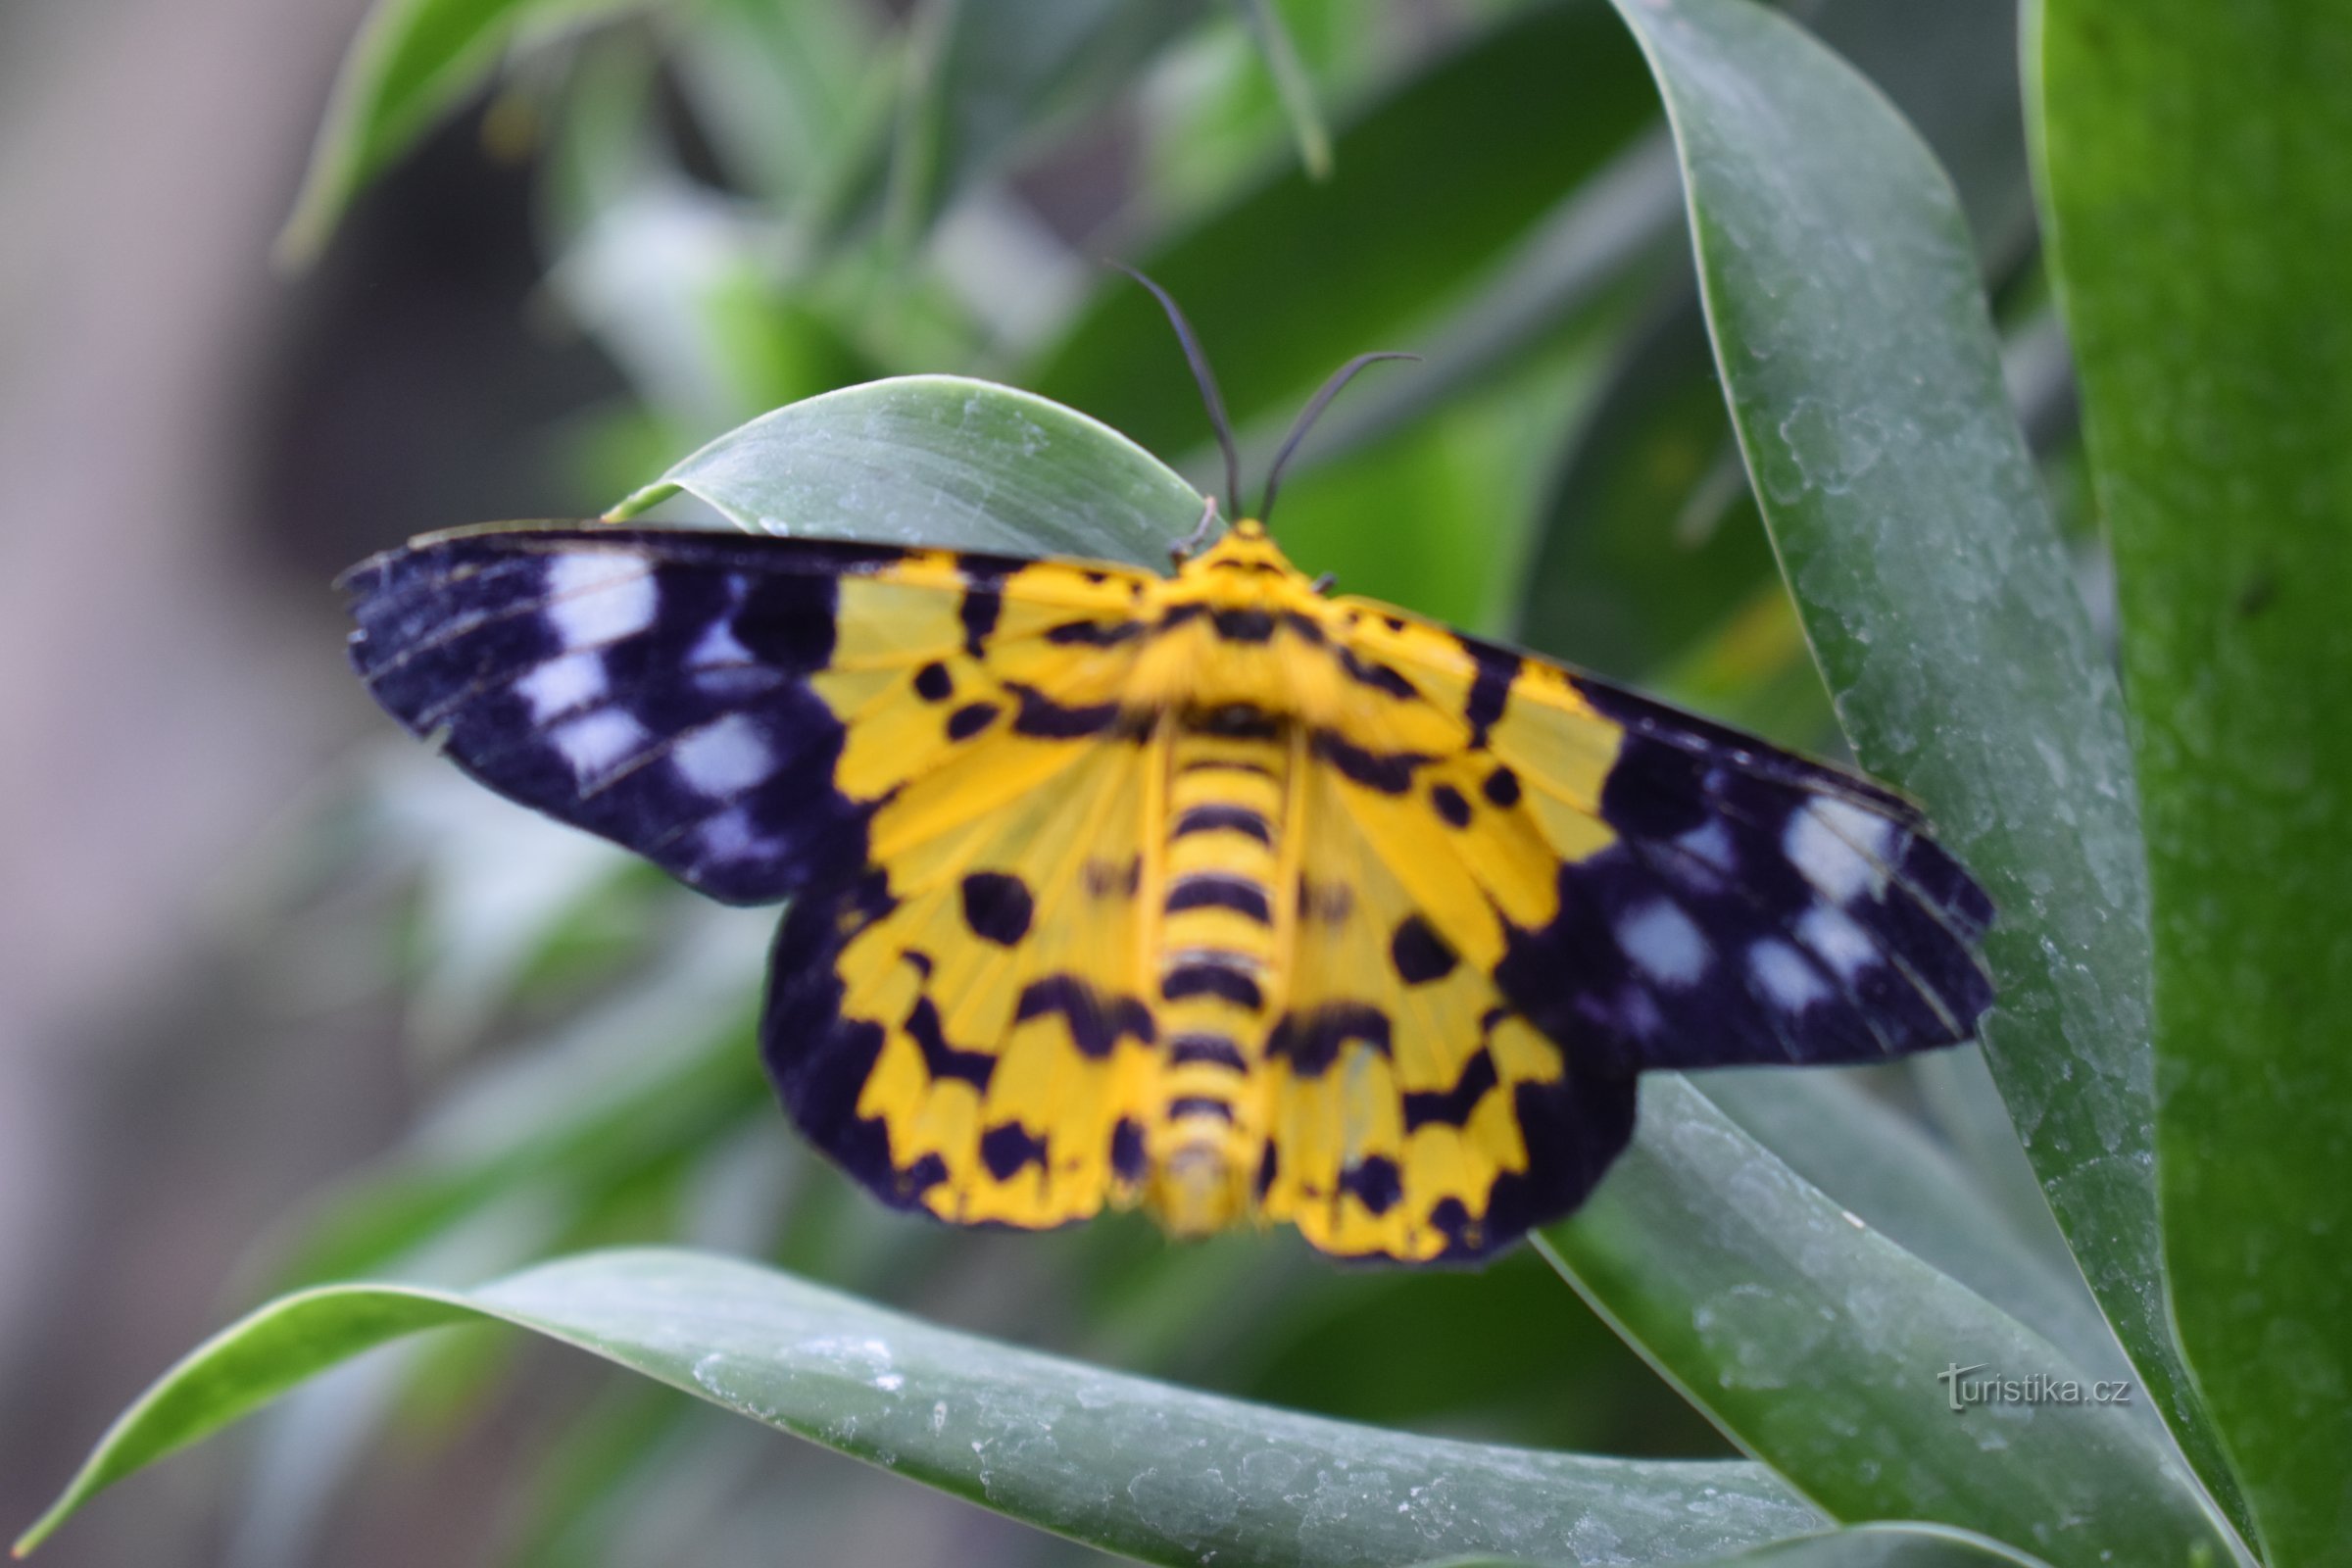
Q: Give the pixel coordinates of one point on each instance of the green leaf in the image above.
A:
(1865, 386)
(1881, 1547)
(1886, 1169)
(1816, 1342)
(1369, 253)
(411, 63)
(1126, 1464)
(992, 76)
(939, 459)
(1292, 84)
(1865, 1547)
(2195, 163)
(1648, 538)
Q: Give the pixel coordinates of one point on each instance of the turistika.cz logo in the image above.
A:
(1963, 1389)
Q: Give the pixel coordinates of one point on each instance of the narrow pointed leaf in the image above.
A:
(412, 62)
(1130, 1465)
(1865, 386)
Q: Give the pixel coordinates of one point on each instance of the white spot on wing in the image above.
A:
(723, 758)
(1785, 976)
(1835, 845)
(599, 596)
(718, 645)
(1711, 841)
(1660, 938)
(729, 836)
(594, 743)
(1836, 940)
(562, 685)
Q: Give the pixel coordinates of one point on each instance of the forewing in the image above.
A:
(732, 707)
(1702, 898)
(1412, 1112)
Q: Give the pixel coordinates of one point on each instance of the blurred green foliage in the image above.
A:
(748, 204)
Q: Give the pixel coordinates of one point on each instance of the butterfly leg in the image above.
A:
(1181, 552)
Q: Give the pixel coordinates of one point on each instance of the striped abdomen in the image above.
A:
(1229, 776)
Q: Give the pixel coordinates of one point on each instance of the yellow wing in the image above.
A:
(921, 749)
(1412, 1111)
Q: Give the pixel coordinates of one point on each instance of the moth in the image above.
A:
(1210, 892)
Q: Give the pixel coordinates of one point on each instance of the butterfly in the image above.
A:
(1208, 892)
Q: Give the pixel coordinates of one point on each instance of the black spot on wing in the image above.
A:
(997, 906)
(1374, 1181)
(1390, 772)
(1097, 1022)
(970, 719)
(1420, 956)
(1376, 675)
(941, 1059)
(1489, 688)
(933, 683)
(1453, 1106)
(1094, 633)
(1575, 1127)
(1128, 1159)
(982, 605)
(1450, 804)
(1044, 719)
(1009, 1147)
(1312, 1040)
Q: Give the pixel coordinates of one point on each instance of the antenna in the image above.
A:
(1313, 411)
(1209, 386)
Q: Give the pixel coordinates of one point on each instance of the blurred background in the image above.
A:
(281, 998)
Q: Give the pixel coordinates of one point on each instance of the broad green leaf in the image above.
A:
(939, 459)
(1648, 537)
(1865, 385)
(1130, 1465)
(1865, 1547)
(1817, 1341)
(1889, 1170)
(411, 63)
(1372, 251)
(2196, 162)
(1889, 1545)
